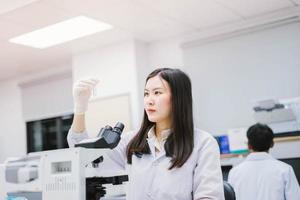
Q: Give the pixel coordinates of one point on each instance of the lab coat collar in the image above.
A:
(153, 142)
(164, 134)
(259, 156)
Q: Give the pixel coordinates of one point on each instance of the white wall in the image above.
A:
(229, 75)
(47, 96)
(166, 53)
(143, 68)
(12, 135)
(41, 90)
(115, 66)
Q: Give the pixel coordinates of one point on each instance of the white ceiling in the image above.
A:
(146, 20)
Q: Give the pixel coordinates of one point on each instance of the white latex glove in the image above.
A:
(82, 91)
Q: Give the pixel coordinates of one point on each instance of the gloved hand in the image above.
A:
(82, 91)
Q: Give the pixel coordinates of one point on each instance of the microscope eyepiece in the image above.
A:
(119, 127)
(108, 137)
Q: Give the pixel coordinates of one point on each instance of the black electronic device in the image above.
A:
(94, 185)
(108, 137)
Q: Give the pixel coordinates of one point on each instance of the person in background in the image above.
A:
(167, 158)
(260, 176)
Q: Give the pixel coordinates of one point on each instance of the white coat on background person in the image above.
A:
(156, 174)
(260, 176)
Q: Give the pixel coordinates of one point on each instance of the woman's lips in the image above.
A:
(151, 110)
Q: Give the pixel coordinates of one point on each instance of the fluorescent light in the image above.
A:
(61, 32)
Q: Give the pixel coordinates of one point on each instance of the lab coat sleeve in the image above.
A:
(117, 155)
(231, 176)
(74, 137)
(292, 189)
(208, 181)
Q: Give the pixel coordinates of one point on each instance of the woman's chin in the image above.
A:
(152, 119)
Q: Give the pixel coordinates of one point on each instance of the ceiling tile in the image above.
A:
(197, 13)
(165, 29)
(10, 29)
(37, 15)
(7, 6)
(126, 15)
(251, 8)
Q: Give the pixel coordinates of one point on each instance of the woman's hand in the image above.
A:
(82, 91)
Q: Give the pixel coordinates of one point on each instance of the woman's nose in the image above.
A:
(149, 101)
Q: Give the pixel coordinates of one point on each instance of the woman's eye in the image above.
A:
(146, 94)
(157, 92)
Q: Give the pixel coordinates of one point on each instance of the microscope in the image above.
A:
(73, 173)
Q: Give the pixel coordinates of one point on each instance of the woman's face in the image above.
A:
(157, 100)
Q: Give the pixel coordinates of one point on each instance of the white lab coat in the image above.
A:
(149, 178)
(261, 177)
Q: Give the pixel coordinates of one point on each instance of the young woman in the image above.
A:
(166, 159)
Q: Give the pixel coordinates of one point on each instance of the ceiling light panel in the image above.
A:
(61, 32)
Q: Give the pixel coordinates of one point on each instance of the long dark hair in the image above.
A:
(180, 143)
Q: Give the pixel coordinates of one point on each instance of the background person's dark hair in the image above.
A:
(180, 143)
(260, 137)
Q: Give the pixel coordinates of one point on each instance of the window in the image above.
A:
(48, 134)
